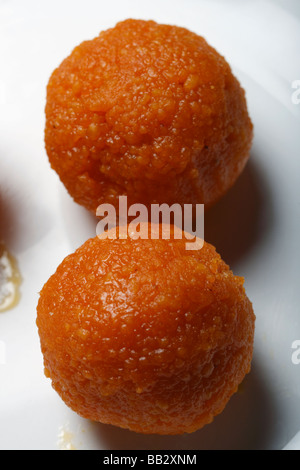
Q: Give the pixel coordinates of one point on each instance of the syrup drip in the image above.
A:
(10, 280)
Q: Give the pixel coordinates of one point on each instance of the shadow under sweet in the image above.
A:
(8, 218)
(242, 217)
(23, 221)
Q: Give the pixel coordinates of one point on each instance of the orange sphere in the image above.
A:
(149, 111)
(144, 334)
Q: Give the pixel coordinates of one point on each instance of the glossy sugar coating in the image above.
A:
(149, 111)
(145, 335)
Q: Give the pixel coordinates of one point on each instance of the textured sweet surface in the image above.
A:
(149, 111)
(144, 334)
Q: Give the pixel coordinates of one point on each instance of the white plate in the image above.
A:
(258, 219)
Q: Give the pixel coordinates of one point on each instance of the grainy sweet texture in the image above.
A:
(144, 334)
(149, 111)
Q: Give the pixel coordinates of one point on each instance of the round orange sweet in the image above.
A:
(144, 334)
(149, 111)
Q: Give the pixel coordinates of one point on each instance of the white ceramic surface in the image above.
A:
(258, 220)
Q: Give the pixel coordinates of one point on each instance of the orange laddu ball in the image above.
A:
(144, 334)
(150, 111)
